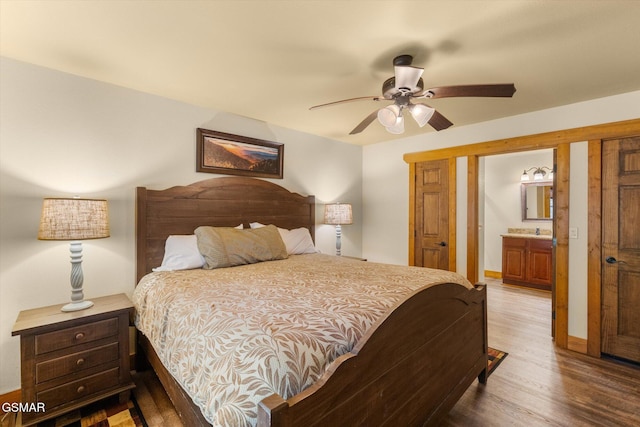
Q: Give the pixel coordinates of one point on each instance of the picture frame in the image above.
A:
(228, 154)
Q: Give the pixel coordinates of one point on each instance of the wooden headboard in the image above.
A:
(221, 202)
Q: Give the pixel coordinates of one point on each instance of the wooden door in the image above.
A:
(621, 248)
(432, 214)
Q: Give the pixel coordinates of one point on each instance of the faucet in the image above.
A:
(537, 231)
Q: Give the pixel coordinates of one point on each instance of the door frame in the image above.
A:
(560, 140)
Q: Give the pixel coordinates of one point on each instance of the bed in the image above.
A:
(408, 363)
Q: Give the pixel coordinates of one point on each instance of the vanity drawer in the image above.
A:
(79, 389)
(514, 242)
(76, 362)
(64, 338)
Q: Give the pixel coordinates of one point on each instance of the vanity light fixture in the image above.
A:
(538, 174)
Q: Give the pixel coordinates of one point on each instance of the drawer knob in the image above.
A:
(80, 362)
(79, 336)
(81, 389)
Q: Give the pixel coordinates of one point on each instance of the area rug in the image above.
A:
(495, 358)
(105, 413)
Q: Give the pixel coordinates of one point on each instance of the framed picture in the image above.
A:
(224, 153)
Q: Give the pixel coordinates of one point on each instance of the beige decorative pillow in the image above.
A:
(226, 246)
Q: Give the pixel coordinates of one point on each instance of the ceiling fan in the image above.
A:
(406, 85)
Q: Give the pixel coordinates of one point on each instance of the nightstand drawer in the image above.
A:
(64, 338)
(76, 362)
(79, 389)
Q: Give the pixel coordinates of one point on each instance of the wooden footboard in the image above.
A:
(409, 370)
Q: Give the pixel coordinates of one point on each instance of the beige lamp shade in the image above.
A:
(338, 214)
(73, 219)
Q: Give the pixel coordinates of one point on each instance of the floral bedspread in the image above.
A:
(233, 336)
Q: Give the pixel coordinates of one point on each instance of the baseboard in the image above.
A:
(576, 344)
(493, 274)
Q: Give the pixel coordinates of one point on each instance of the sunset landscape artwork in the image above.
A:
(231, 154)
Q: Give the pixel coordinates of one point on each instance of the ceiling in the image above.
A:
(272, 60)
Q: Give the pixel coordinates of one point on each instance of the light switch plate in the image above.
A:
(573, 232)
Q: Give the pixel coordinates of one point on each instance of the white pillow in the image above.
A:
(298, 241)
(181, 253)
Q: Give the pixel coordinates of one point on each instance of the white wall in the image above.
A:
(578, 246)
(502, 201)
(62, 135)
(386, 178)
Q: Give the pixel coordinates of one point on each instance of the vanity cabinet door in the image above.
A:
(539, 262)
(513, 259)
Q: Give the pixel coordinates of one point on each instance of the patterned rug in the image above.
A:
(495, 358)
(105, 413)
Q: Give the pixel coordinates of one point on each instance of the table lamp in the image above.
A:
(74, 219)
(338, 214)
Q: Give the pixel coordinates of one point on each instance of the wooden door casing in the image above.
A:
(621, 248)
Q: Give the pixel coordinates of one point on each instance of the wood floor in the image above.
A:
(536, 385)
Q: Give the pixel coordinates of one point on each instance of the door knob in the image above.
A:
(442, 243)
(612, 260)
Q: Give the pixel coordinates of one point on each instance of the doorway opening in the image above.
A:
(515, 221)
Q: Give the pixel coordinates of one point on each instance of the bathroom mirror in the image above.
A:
(537, 201)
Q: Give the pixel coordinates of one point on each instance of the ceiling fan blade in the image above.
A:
(407, 76)
(366, 122)
(490, 90)
(342, 101)
(439, 122)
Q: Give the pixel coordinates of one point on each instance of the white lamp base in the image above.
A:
(338, 240)
(77, 296)
(78, 305)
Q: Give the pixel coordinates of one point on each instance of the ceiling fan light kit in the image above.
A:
(407, 84)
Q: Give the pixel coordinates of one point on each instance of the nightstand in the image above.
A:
(71, 359)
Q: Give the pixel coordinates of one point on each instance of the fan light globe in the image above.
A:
(388, 116)
(398, 127)
(421, 113)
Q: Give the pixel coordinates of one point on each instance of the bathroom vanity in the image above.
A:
(527, 260)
